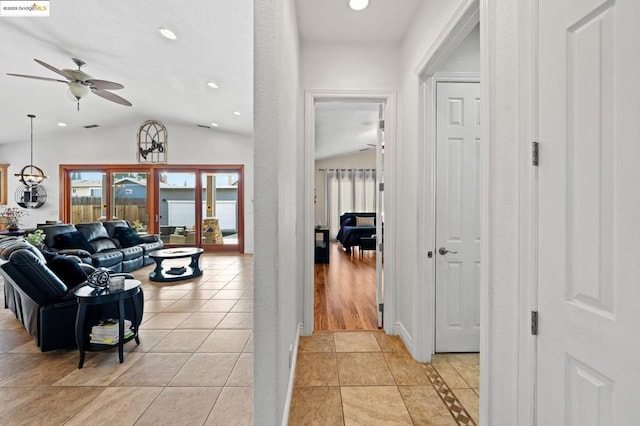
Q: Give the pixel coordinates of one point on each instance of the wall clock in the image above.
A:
(152, 142)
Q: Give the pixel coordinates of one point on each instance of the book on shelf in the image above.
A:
(110, 327)
(109, 340)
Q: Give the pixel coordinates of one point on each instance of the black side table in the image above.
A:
(322, 245)
(87, 295)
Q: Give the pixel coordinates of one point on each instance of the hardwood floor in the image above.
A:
(345, 291)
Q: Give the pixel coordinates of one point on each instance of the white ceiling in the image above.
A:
(345, 127)
(334, 21)
(119, 40)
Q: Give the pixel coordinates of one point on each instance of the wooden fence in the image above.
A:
(89, 209)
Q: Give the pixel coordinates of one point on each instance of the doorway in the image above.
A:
(361, 178)
(348, 156)
(456, 60)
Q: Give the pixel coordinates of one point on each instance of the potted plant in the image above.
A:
(138, 226)
(35, 238)
(12, 216)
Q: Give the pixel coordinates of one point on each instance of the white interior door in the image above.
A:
(457, 255)
(380, 218)
(589, 213)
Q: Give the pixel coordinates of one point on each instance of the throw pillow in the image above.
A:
(364, 221)
(69, 271)
(128, 237)
(72, 240)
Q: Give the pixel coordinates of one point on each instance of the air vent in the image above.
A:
(91, 126)
(203, 126)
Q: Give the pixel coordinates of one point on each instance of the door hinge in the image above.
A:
(381, 307)
(381, 124)
(381, 247)
(534, 323)
(381, 186)
(535, 155)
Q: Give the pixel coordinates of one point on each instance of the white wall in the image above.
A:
(186, 145)
(501, 33)
(466, 57)
(349, 67)
(278, 204)
(427, 24)
(359, 160)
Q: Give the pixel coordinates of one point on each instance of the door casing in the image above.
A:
(389, 99)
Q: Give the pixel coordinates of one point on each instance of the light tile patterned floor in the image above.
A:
(193, 366)
(369, 378)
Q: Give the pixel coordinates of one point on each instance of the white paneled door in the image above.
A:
(589, 213)
(457, 254)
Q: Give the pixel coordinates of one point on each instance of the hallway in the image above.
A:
(369, 378)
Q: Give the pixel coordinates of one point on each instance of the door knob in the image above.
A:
(444, 251)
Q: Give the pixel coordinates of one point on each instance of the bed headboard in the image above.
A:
(350, 218)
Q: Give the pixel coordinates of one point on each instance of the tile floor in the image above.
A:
(369, 378)
(193, 366)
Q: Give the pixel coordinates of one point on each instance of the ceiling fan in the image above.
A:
(80, 83)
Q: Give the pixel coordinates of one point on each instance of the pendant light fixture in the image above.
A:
(31, 175)
(31, 195)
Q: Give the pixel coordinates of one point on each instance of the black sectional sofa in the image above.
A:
(113, 245)
(43, 300)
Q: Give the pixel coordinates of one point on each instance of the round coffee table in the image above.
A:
(176, 273)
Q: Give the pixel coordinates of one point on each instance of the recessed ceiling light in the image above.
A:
(214, 124)
(61, 124)
(358, 4)
(236, 113)
(168, 33)
(212, 84)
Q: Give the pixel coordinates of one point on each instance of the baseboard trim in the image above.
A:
(292, 375)
(401, 331)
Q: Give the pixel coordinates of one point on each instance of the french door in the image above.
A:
(199, 206)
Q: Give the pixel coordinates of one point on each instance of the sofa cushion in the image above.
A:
(18, 244)
(129, 253)
(38, 281)
(128, 237)
(73, 240)
(102, 244)
(51, 231)
(92, 230)
(112, 225)
(109, 259)
(68, 270)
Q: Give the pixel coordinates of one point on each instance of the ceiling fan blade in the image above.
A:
(37, 78)
(110, 96)
(52, 68)
(104, 84)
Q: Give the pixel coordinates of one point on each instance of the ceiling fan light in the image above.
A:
(78, 90)
(358, 5)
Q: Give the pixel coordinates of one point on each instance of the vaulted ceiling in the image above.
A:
(119, 40)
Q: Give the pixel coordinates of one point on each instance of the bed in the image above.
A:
(353, 226)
